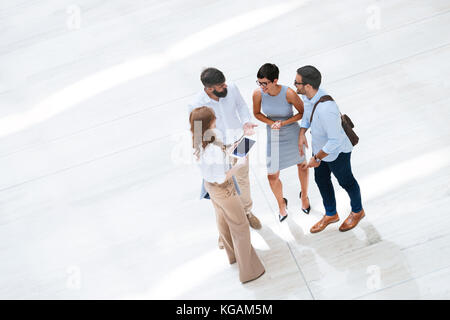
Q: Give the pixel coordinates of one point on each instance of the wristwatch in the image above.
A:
(317, 159)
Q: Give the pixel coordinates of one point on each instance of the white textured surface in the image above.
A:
(95, 202)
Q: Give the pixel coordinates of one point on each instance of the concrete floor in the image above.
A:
(99, 199)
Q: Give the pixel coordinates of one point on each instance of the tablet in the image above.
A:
(243, 148)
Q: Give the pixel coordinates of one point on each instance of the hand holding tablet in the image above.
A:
(242, 148)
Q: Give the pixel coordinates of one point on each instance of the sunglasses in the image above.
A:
(299, 83)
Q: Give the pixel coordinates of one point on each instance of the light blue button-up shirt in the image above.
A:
(326, 128)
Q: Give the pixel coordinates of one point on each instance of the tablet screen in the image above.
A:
(243, 147)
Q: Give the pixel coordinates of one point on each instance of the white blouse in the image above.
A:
(213, 164)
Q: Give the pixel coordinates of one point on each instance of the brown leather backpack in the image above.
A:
(346, 122)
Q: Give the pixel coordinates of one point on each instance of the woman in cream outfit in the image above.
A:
(232, 223)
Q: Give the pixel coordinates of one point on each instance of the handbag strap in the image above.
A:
(322, 99)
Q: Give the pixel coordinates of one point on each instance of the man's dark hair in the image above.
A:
(211, 77)
(310, 75)
(268, 71)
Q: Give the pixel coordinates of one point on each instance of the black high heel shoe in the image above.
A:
(280, 217)
(309, 208)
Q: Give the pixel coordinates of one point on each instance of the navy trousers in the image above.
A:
(342, 170)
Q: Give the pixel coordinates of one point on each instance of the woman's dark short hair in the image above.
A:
(310, 75)
(268, 71)
(212, 77)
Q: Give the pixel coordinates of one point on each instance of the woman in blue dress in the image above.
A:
(272, 104)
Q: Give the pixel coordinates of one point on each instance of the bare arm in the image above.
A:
(302, 141)
(303, 131)
(295, 100)
(257, 108)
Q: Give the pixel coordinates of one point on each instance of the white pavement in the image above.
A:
(97, 200)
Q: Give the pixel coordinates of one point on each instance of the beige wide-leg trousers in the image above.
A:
(234, 229)
(243, 180)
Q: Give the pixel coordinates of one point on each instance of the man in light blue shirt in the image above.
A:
(331, 149)
(326, 128)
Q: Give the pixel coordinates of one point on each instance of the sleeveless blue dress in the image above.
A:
(282, 145)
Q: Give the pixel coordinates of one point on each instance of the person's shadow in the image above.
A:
(335, 265)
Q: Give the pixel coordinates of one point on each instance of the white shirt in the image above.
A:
(213, 164)
(231, 112)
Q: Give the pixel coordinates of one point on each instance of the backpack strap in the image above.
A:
(322, 99)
